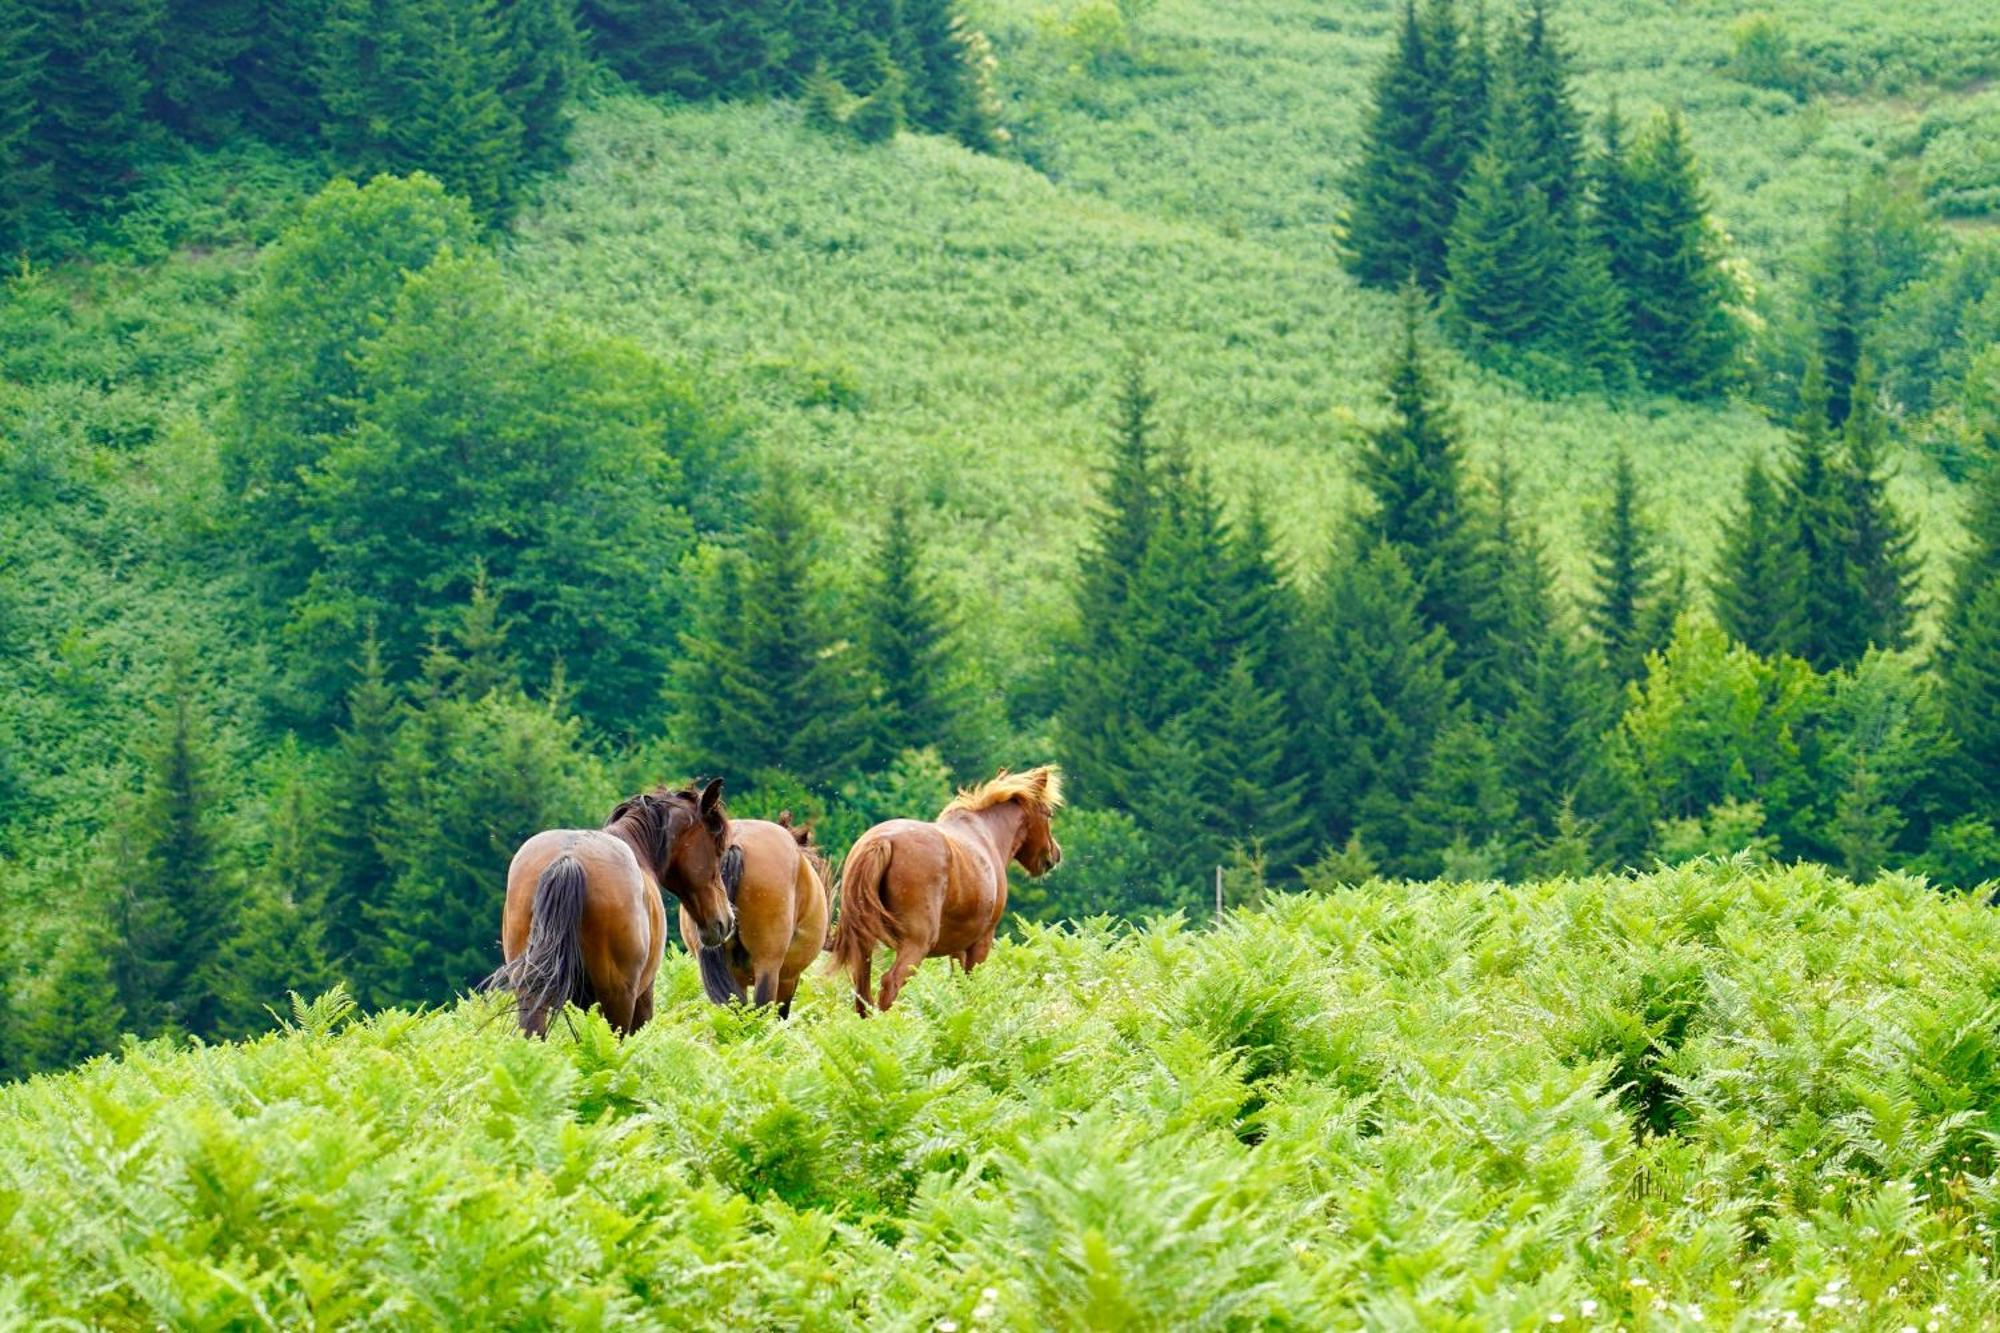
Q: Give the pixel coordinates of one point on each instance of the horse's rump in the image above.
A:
(550, 971)
(864, 916)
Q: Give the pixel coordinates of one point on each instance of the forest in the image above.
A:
(1397, 443)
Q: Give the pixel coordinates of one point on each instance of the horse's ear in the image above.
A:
(711, 799)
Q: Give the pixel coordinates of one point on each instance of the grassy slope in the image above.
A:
(1386, 1107)
(977, 310)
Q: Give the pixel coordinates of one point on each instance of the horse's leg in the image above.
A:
(861, 982)
(976, 955)
(767, 986)
(618, 1006)
(642, 1009)
(786, 990)
(907, 957)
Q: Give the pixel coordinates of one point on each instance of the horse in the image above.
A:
(781, 906)
(584, 923)
(938, 889)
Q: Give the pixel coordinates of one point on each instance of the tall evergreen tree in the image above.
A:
(1972, 690)
(195, 65)
(1758, 572)
(1882, 556)
(24, 174)
(1625, 580)
(1413, 468)
(1463, 810)
(178, 908)
(1554, 137)
(1457, 73)
(764, 682)
(1375, 696)
(1392, 226)
(1678, 293)
(91, 87)
(1507, 251)
(907, 635)
(1844, 309)
(356, 808)
(1550, 742)
(1821, 532)
(1093, 699)
(542, 48)
(278, 80)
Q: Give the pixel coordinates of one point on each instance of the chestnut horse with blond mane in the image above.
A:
(584, 923)
(938, 889)
(781, 903)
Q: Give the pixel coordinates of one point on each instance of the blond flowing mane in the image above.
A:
(1040, 786)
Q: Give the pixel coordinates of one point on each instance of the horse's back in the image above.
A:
(781, 904)
(615, 909)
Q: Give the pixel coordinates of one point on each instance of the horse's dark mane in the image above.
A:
(648, 819)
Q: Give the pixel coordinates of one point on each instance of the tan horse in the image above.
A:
(584, 922)
(931, 890)
(781, 914)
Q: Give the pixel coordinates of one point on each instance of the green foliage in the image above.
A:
(1681, 326)
(1761, 55)
(1626, 583)
(1551, 1093)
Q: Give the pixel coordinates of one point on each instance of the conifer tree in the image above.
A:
(1821, 532)
(1972, 689)
(1463, 803)
(1625, 581)
(1094, 697)
(24, 174)
(542, 50)
(277, 79)
(1392, 231)
(1514, 594)
(194, 62)
(765, 683)
(1553, 139)
(908, 638)
(356, 808)
(90, 91)
(1592, 328)
(1456, 74)
(1758, 574)
(1550, 742)
(179, 908)
(1413, 468)
(938, 74)
(1375, 696)
(878, 117)
(1507, 250)
(1679, 318)
(279, 942)
(1883, 553)
(1844, 309)
(1614, 223)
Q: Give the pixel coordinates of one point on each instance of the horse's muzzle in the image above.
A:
(713, 933)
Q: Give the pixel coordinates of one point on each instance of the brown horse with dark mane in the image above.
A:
(781, 903)
(584, 923)
(938, 889)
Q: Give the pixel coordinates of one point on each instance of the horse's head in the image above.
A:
(1040, 852)
(689, 832)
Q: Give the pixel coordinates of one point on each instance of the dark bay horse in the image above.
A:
(781, 915)
(937, 890)
(584, 922)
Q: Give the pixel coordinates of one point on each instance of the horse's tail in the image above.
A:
(864, 918)
(550, 973)
(717, 977)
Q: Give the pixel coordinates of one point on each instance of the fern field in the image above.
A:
(1711, 1096)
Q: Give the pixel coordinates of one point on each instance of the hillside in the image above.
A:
(1706, 1096)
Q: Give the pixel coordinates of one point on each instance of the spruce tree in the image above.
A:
(1413, 469)
(907, 635)
(1515, 598)
(1093, 700)
(1550, 742)
(1392, 228)
(278, 76)
(1375, 696)
(765, 682)
(1463, 804)
(178, 908)
(1553, 141)
(1625, 580)
(1614, 222)
(356, 808)
(1972, 690)
(542, 50)
(1821, 532)
(1882, 555)
(1456, 74)
(1680, 322)
(1844, 309)
(1592, 330)
(91, 86)
(1758, 572)
(195, 63)
(24, 174)
(1507, 250)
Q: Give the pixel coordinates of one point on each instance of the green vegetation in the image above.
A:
(748, 400)
(1709, 1095)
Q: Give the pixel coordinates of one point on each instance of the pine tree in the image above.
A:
(278, 78)
(1375, 696)
(178, 910)
(91, 88)
(1624, 577)
(1882, 555)
(1093, 701)
(542, 49)
(938, 84)
(908, 639)
(1821, 532)
(1507, 250)
(1456, 74)
(1392, 228)
(1972, 689)
(1463, 803)
(1758, 572)
(1614, 222)
(279, 943)
(827, 104)
(195, 63)
(1554, 129)
(1680, 322)
(879, 117)
(24, 175)
(1515, 598)
(1979, 564)
(1592, 331)
(765, 684)
(1413, 468)
(1550, 744)
(357, 806)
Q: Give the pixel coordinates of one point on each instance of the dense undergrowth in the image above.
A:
(1709, 1095)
